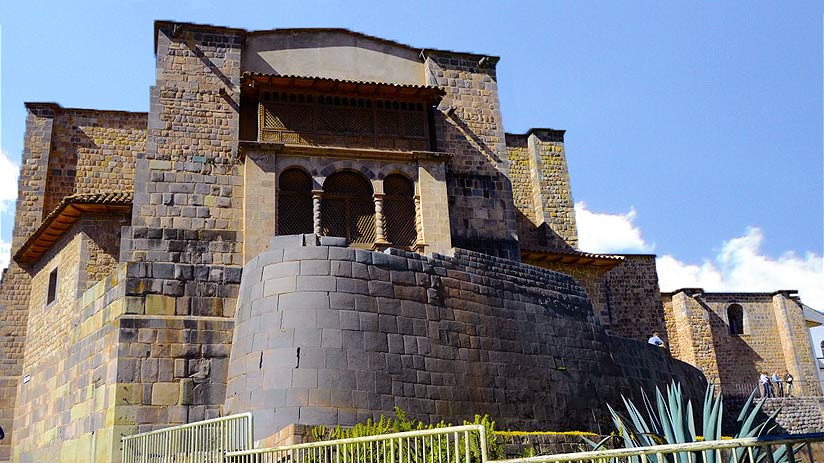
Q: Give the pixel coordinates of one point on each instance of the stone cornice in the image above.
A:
(341, 152)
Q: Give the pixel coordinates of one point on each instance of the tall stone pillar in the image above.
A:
(795, 344)
(317, 196)
(694, 333)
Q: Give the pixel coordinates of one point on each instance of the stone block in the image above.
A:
(310, 415)
(306, 253)
(353, 286)
(341, 268)
(303, 300)
(305, 378)
(165, 393)
(281, 269)
(349, 319)
(180, 370)
(286, 241)
(307, 337)
(333, 241)
(381, 289)
(279, 285)
(160, 305)
(316, 283)
(315, 267)
(209, 393)
(375, 342)
(332, 338)
(186, 391)
(344, 254)
(368, 321)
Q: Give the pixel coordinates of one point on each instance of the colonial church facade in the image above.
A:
(317, 225)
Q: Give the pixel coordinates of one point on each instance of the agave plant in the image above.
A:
(671, 421)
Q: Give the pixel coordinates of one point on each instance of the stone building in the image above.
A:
(317, 225)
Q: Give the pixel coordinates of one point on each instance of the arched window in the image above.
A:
(399, 211)
(348, 209)
(735, 316)
(294, 202)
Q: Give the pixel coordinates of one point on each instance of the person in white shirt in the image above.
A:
(779, 387)
(655, 340)
(765, 383)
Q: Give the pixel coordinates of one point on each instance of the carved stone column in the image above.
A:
(317, 195)
(380, 237)
(418, 222)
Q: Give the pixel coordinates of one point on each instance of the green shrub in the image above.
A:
(400, 423)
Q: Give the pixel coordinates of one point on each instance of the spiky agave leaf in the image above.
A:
(627, 433)
(654, 421)
(747, 405)
(641, 427)
(663, 415)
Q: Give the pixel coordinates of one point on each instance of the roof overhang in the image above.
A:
(604, 261)
(813, 317)
(430, 94)
(64, 216)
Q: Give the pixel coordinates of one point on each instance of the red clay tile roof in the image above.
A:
(384, 89)
(67, 212)
(570, 257)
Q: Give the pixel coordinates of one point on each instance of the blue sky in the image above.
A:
(694, 130)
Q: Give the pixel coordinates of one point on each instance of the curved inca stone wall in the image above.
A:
(327, 334)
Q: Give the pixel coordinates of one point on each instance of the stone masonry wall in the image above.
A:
(93, 151)
(16, 282)
(699, 333)
(66, 409)
(591, 278)
(796, 342)
(481, 210)
(625, 298)
(122, 368)
(735, 361)
(333, 335)
(190, 178)
(635, 298)
(540, 181)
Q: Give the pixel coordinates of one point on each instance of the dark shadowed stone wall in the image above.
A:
(327, 334)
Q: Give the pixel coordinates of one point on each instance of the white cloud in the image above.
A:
(599, 232)
(741, 266)
(9, 172)
(5, 252)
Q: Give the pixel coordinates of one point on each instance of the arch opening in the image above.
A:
(348, 209)
(399, 210)
(294, 202)
(735, 317)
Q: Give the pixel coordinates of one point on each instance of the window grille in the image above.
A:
(347, 208)
(295, 203)
(399, 211)
(341, 121)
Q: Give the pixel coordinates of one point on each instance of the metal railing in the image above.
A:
(456, 444)
(768, 449)
(200, 442)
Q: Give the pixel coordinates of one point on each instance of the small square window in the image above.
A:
(52, 294)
